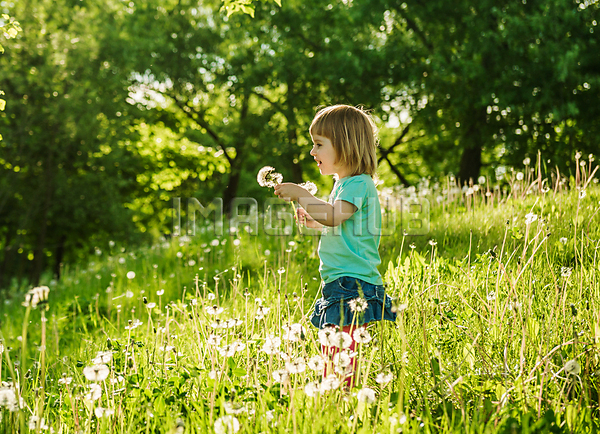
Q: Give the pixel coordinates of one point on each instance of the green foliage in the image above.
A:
(455, 88)
(485, 341)
(493, 82)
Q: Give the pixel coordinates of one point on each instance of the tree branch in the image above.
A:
(198, 117)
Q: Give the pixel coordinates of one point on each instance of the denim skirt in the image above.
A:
(338, 306)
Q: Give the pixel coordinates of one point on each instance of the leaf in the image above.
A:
(2, 104)
(278, 2)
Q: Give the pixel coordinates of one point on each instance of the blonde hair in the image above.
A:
(353, 135)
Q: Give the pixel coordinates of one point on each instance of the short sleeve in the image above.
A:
(354, 191)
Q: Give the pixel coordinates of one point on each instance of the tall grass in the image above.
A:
(498, 330)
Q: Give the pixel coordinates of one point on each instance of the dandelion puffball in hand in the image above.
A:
(267, 177)
(310, 187)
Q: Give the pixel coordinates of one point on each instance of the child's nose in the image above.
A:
(313, 152)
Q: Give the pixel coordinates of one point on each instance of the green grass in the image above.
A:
(491, 311)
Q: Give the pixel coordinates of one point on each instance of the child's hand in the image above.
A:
(289, 191)
(305, 219)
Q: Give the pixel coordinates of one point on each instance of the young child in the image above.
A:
(344, 139)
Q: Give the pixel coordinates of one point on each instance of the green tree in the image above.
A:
(492, 82)
(248, 87)
(67, 168)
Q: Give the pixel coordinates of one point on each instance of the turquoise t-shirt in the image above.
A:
(351, 249)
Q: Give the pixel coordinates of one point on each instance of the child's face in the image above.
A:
(325, 156)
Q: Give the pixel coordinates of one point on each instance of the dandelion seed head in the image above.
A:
(214, 310)
(342, 359)
(280, 376)
(213, 340)
(572, 367)
(94, 392)
(131, 274)
(361, 336)
(227, 424)
(520, 176)
(103, 357)
(530, 218)
(331, 382)
(358, 305)
(384, 378)
(310, 187)
(96, 372)
(267, 177)
(101, 412)
(311, 389)
(296, 366)
(8, 399)
(293, 332)
(271, 345)
(231, 349)
(316, 363)
(366, 395)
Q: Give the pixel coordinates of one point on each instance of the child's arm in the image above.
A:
(319, 210)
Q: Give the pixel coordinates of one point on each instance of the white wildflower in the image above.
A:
(280, 375)
(330, 382)
(361, 336)
(234, 408)
(8, 399)
(214, 309)
(131, 274)
(311, 389)
(102, 357)
(261, 312)
(296, 366)
(267, 177)
(572, 367)
(271, 345)
(231, 349)
(366, 395)
(96, 372)
(101, 412)
(213, 340)
(358, 305)
(384, 378)
(293, 332)
(342, 359)
(310, 187)
(566, 271)
(530, 218)
(94, 393)
(65, 380)
(316, 363)
(227, 425)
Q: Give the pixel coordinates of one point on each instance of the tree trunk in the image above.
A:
(58, 256)
(470, 164)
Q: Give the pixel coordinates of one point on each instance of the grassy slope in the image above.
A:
(482, 342)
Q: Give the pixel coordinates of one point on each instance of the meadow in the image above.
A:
(498, 327)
